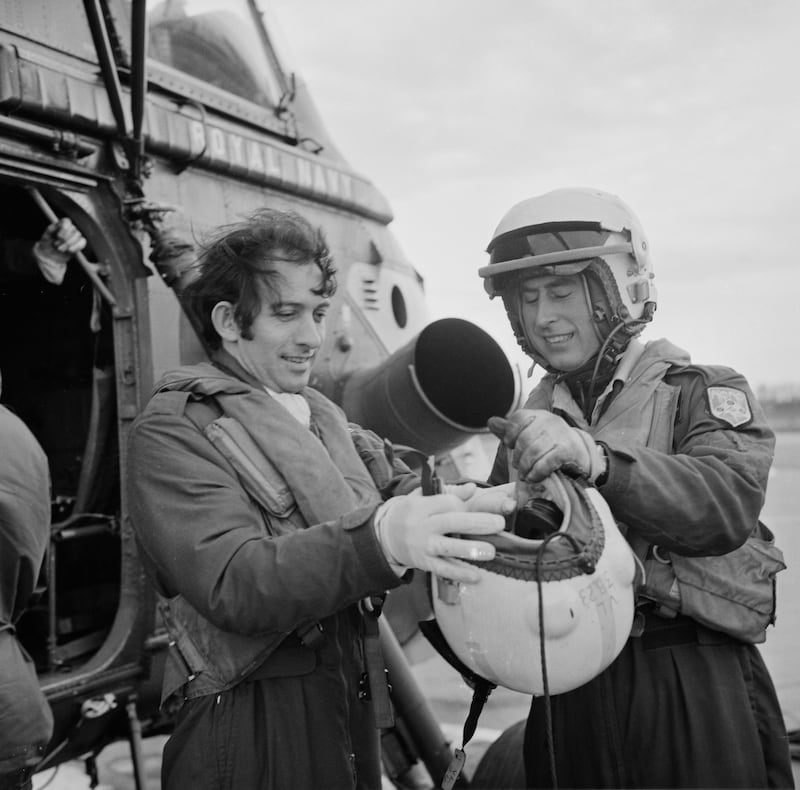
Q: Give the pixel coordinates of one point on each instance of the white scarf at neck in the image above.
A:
(295, 404)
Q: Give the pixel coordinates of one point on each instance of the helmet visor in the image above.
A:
(556, 250)
(516, 246)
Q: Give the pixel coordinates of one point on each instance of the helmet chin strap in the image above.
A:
(598, 306)
(605, 363)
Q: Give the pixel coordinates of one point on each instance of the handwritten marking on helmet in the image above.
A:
(598, 592)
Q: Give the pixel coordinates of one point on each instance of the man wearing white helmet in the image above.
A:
(681, 453)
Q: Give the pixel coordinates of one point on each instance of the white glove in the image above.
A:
(60, 241)
(414, 532)
(543, 442)
(497, 499)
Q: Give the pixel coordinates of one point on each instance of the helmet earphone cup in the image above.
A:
(600, 304)
(536, 520)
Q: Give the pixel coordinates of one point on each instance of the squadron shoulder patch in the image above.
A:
(729, 404)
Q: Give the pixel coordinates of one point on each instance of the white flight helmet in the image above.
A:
(570, 231)
(567, 588)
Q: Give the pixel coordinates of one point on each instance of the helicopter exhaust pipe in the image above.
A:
(435, 392)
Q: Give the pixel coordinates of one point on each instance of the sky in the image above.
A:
(687, 109)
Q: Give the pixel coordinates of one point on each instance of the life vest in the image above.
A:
(291, 489)
(733, 593)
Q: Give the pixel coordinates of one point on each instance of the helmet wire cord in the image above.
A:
(588, 567)
(589, 403)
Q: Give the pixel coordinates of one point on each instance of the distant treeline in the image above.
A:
(783, 414)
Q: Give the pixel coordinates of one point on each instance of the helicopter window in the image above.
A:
(57, 367)
(216, 41)
(399, 307)
(61, 25)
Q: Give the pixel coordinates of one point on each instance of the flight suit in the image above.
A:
(26, 721)
(683, 705)
(241, 566)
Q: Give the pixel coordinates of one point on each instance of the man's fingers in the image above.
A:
(462, 490)
(450, 505)
(469, 523)
(497, 499)
(475, 550)
(72, 241)
(456, 570)
(64, 237)
(527, 454)
(440, 503)
(522, 421)
(499, 426)
(532, 434)
(508, 430)
(500, 499)
(543, 468)
(72, 245)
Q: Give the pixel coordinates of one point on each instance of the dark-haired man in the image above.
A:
(266, 520)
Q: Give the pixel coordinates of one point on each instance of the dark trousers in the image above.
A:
(682, 707)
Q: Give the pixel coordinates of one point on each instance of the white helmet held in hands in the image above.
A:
(562, 582)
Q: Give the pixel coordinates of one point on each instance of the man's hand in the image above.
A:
(60, 241)
(415, 532)
(496, 499)
(542, 443)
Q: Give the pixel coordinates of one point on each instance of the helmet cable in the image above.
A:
(588, 567)
(603, 354)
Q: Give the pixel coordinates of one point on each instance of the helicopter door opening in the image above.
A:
(57, 368)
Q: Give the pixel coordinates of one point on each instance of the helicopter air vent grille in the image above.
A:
(369, 293)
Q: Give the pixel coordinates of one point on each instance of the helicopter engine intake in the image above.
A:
(437, 390)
